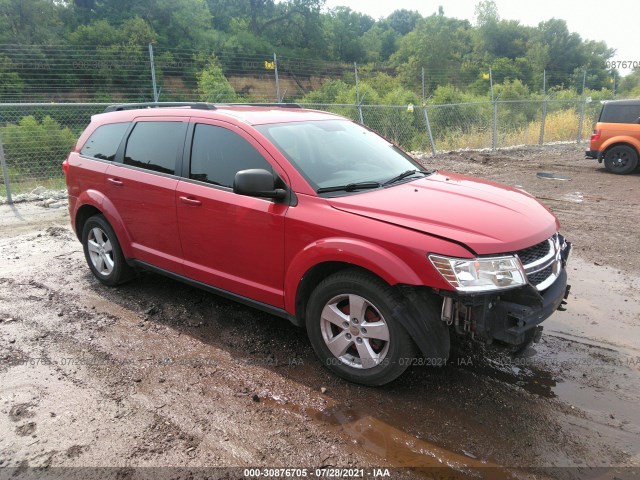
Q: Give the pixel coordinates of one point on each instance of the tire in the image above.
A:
(103, 253)
(621, 160)
(370, 347)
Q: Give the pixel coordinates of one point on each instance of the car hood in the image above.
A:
(487, 217)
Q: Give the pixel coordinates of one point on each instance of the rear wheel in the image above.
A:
(621, 160)
(352, 328)
(103, 253)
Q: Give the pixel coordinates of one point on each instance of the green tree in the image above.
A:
(439, 44)
(290, 25)
(630, 85)
(403, 21)
(11, 84)
(135, 32)
(30, 22)
(344, 29)
(120, 52)
(554, 48)
(379, 43)
(329, 92)
(213, 85)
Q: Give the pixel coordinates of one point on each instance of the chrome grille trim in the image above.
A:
(551, 260)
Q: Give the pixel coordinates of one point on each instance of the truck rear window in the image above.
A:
(620, 113)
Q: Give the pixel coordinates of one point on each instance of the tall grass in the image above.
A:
(561, 125)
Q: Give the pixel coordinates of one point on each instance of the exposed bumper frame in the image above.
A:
(507, 317)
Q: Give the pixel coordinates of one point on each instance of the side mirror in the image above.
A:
(257, 183)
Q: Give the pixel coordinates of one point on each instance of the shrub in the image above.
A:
(37, 149)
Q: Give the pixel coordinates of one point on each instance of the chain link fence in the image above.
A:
(36, 137)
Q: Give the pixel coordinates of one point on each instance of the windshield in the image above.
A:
(335, 153)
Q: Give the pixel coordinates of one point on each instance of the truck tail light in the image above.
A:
(596, 135)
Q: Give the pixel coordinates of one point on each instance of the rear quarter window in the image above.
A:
(620, 114)
(104, 141)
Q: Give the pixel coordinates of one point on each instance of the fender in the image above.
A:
(101, 202)
(348, 250)
(617, 140)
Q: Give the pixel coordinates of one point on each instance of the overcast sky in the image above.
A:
(614, 21)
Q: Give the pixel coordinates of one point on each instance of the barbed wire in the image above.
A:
(96, 73)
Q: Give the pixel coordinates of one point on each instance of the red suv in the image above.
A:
(311, 217)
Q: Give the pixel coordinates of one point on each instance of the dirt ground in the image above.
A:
(158, 374)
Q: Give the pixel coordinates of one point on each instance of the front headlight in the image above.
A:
(480, 274)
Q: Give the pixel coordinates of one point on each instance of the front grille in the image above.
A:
(531, 254)
(541, 262)
(539, 277)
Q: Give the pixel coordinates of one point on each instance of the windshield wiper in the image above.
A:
(350, 187)
(404, 175)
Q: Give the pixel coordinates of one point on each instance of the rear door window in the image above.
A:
(104, 142)
(155, 146)
(217, 154)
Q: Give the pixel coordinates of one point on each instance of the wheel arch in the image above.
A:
(93, 202)
(621, 142)
(312, 278)
(418, 311)
(84, 213)
(324, 257)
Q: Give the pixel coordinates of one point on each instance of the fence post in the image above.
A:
(275, 69)
(426, 121)
(582, 107)
(426, 118)
(544, 107)
(5, 174)
(153, 74)
(355, 67)
(494, 132)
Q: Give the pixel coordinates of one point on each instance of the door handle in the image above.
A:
(191, 201)
(115, 181)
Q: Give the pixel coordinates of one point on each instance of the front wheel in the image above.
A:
(621, 160)
(103, 253)
(351, 326)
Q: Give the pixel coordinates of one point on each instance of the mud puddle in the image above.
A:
(602, 307)
(395, 447)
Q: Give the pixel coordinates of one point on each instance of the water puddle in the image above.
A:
(552, 176)
(395, 447)
(511, 371)
(603, 306)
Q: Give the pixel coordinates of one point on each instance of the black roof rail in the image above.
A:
(279, 105)
(130, 106)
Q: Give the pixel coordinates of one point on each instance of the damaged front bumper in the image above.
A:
(510, 317)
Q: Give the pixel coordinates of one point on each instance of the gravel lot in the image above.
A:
(155, 373)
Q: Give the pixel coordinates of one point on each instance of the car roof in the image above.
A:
(249, 114)
(621, 102)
